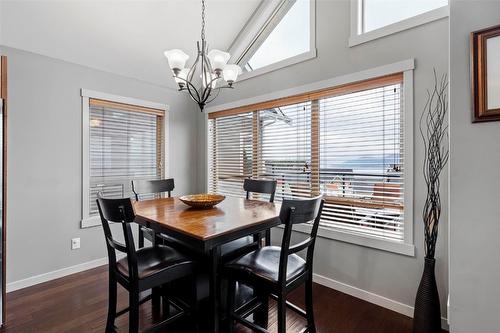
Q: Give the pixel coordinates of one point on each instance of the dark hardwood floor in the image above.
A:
(78, 303)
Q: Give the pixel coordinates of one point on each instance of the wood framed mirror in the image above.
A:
(3, 179)
(485, 74)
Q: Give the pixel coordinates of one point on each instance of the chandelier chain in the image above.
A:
(202, 19)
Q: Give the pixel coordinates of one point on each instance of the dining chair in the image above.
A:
(238, 247)
(273, 270)
(144, 269)
(145, 187)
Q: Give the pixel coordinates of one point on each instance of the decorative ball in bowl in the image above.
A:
(202, 201)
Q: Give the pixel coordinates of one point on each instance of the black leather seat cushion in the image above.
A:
(235, 245)
(264, 263)
(153, 260)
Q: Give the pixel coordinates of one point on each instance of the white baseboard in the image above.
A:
(382, 301)
(31, 281)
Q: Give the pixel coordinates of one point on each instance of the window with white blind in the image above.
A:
(122, 142)
(361, 169)
(346, 143)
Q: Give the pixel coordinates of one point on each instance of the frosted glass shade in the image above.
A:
(176, 59)
(231, 73)
(218, 59)
(182, 75)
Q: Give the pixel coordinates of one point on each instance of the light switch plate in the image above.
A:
(75, 243)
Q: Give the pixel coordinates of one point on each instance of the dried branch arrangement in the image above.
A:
(434, 131)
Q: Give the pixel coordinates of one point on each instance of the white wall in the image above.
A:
(387, 274)
(474, 185)
(44, 158)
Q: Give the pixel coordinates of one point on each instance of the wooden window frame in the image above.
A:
(95, 98)
(384, 75)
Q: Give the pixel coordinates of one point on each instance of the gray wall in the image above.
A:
(474, 183)
(390, 275)
(45, 164)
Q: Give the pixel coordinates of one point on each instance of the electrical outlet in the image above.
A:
(75, 243)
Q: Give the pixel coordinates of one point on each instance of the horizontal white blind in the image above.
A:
(285, 149)
(362, 156)
(231, 153)
(348, 147)
(124, 145)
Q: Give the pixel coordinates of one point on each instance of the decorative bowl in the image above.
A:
(202, 200)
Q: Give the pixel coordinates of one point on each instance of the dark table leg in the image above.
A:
(156, 292)
(214, 289)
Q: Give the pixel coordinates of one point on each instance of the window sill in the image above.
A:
(409, 23)
(278, 65)
(366, 241)
(90, 222)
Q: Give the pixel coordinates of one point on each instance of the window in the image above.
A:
(361, 155)
(278, 45)
(373, 19)
(346, 143)
(265, 45)
(123, 142)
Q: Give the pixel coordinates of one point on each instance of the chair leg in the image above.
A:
(110, 322)
(262, 313)
(309, 305)
(141, 237)
(268, 237)
(230, 305)
(166, 294)
(281, 313)
(156, 300)
(133, 321)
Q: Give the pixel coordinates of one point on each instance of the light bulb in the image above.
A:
(176, 59)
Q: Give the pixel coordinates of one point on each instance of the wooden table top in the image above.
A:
(231, 215)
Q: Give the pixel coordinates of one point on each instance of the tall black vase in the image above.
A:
(427, 315)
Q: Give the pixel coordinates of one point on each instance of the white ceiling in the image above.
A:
(122, 37)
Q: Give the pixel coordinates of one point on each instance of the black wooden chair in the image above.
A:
(236, 248)
(277, 271)
(145, 187)
(144, 269)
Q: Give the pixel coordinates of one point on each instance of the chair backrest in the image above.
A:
(260, 186)
(118, 211)
(141, 187)
(296, 211)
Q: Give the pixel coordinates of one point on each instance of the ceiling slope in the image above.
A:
(123, 37)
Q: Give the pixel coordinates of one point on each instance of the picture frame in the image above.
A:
(485, 74)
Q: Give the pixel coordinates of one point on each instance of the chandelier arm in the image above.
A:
(208, 89)
(217, 92)
(189, 87)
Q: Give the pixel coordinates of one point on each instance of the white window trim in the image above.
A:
(87, 221)
(261, 20)
(406, 247)
(358, 37)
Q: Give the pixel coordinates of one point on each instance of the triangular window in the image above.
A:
(287, 34)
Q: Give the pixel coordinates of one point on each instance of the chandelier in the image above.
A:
(209, 73)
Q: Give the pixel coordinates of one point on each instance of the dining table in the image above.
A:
(205, 230)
